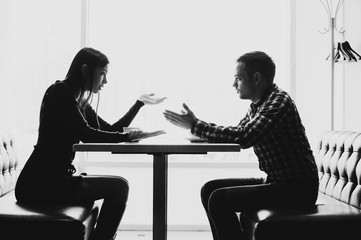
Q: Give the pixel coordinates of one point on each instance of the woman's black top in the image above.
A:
(48, 173)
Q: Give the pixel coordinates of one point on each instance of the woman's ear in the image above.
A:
(85, 71)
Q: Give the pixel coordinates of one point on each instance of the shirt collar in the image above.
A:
(264, 97)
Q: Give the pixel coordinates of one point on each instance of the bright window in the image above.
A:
(184, 50)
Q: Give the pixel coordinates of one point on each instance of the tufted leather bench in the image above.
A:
(337, 213)
(40, 222)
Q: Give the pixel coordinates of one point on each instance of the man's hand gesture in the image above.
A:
(186, 119)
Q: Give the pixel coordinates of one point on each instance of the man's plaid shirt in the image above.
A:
(274, 129)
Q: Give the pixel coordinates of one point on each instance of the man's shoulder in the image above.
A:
(278, 99)
(278, 90)
(278, 93)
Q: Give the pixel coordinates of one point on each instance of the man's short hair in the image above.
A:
(258, 62)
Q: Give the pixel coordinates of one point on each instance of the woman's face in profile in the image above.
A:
(99, 78)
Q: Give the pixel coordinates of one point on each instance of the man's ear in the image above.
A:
(257, 77)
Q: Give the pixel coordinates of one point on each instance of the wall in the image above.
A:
(312, 85)
(313, 72)
(352, 71)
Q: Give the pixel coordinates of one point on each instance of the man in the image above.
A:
(273, 128)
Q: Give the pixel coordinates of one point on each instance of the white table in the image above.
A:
(160, 152)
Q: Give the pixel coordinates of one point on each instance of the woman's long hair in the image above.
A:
(93, 59)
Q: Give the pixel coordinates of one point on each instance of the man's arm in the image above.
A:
(251, 130)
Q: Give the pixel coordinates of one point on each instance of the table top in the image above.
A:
(154, 148)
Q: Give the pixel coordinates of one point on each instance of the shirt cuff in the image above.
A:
(197, 128)
(139, 103)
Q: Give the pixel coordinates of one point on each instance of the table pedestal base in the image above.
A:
(160, 175)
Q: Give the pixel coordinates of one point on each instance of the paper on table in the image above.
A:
(195, 139)
(128, 129)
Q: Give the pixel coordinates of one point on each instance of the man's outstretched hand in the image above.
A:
(186, 119)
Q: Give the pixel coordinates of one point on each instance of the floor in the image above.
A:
(172, 235)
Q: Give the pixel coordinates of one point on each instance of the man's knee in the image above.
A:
(208, 188)
(206, 191)
(217, 202)
(217, 197)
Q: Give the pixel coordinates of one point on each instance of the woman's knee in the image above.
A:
(120, 188)
(111, 188)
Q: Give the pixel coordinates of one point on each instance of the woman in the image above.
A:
(66, 118)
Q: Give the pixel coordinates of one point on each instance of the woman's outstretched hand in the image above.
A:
(186, 119)
(150, 99)
(135, 135)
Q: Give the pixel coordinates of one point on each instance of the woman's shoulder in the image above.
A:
(59, 92)
(59, 87)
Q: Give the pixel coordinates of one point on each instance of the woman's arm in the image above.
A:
(67, 109)
(125, 121)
